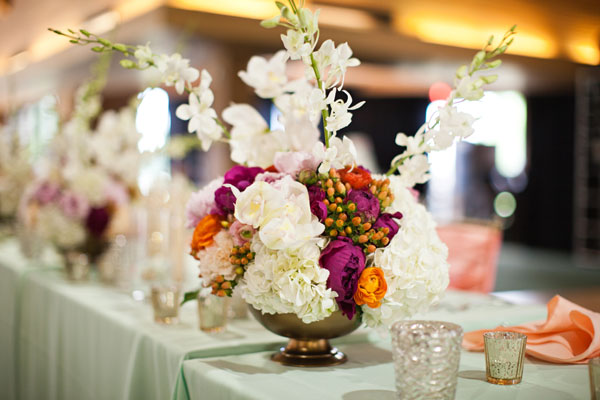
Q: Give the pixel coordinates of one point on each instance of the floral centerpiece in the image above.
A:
(89, 176)
(298, 226)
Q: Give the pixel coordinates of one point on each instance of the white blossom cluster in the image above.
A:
(414, 263)
(15, 172)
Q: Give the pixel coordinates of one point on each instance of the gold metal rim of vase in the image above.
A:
(309, 353)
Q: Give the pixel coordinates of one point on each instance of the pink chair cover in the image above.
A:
(473, 251)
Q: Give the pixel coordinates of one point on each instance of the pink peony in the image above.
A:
(202, 203)
(292, 162)
(241, 233)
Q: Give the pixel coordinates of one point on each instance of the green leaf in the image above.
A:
(494, 64)
(74, 41)
(189, 296)
(279, 5)
(84, 32)
(271, 22)
(98, 49)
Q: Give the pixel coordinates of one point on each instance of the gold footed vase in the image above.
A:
(309, 343)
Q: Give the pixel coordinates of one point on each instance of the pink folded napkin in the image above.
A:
(570, 334)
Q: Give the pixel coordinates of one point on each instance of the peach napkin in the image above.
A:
(570, 334)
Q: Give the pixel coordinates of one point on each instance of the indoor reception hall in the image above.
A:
(299, 199)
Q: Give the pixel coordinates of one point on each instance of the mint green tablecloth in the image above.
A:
(369, 373)
(13, 267)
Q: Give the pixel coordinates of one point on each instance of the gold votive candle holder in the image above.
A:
(504, 357)
(594, 368)
(213, 313)
(165, 302)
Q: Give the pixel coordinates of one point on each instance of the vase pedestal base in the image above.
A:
(309, 353)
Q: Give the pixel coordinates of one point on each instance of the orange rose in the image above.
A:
(358, 177)
(204, 233)
(371, 287)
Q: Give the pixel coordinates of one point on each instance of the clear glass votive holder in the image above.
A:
(504, 356)
(213, 313)
(77, 265)
(594, 367)
(426, 359)
(165, 302)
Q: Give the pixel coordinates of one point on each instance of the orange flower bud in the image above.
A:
(328, 222)
(343, 216)
(348, 230)
(330, 191)
(371, 287)
(339, 223)
(385, 241)
(226, 285)
(219, 279)
(363, 239)
(356, 221)
(333, 233)
(338, 200)
(371, 248)
(329, 183)
(366, 226)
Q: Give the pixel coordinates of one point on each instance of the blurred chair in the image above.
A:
(473, 250)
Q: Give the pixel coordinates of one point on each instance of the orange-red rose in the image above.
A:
(204, 233)
(371, 287)
(357, 177)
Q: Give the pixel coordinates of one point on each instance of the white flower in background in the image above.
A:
(268, 78)
(301, 134)
(295, 45)
(252, 143)
(414, 170)
(59, 229)
(90, 183)
(341, 152)
(144, 56)
(339, 116)
(469, 90)
(452, 124)
(176, 71)
(288, 282)
(413, 144)
(305, 101)
(414, 263)
(214, 259)
(282, 212)
(201, 115)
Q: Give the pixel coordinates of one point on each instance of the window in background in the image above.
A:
(36, 124)
(153, 122)
(500, 125)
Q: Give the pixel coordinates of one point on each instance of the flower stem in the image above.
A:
(325, 111)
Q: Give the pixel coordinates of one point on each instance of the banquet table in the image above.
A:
(13, 268)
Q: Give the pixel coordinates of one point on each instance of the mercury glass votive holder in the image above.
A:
(426, 358)
(213, 313)
(594, 368)
(504, 356)
(165, 302)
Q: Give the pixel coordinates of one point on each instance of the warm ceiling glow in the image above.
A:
(345, 17)
(457, 33)
(584, 53)
(257, 9)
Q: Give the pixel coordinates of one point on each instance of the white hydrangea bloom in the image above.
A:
(288, 282)
(281, 210)
(268, 78)
(90, 183)
(176, 71)
(214, 259)
(414, 263)
(252, 143)
(57, 228)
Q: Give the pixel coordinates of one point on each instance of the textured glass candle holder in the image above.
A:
(594, 367)
(165, 302)
(77, 265)
(426, 358)
(504, 354)
(213, 313)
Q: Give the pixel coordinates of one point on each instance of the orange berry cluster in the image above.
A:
(381, 190)
(342, 218)
(222, 287)
(240, 257)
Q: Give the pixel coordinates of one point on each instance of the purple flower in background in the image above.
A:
(316, 195)
(46, 192)
(73, 205)
(97, 220)
(367, 205)
(241, 177)
(345, 263)
(386, 220)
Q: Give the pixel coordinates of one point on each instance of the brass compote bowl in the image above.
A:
(309, 343)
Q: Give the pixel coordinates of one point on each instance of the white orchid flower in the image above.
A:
(268, 78)
(176, 71)
(144, 56)
(340, 117)
(295, 45)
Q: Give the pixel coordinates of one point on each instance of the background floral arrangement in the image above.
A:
(89, 174)
(15, 173)
(299, 227)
